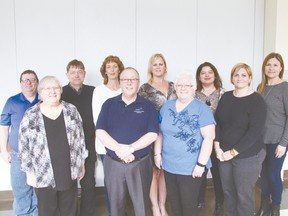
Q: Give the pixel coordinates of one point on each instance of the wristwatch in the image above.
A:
(232, 152)
(131, 149)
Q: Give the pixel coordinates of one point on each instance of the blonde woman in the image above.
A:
(239, 145)
(158, 90)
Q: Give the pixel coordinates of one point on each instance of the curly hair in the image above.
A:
(107, 60)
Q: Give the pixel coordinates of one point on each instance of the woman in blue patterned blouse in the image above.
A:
(184, 147)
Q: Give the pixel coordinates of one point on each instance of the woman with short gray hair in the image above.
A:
(52, 150)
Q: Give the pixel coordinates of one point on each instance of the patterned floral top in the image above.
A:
(34, 153)
(156, 96)
(211, 100)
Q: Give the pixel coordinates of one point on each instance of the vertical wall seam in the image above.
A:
(136, 21)
(15, 39)
(254, 33)
(74, 24)
(196, 35)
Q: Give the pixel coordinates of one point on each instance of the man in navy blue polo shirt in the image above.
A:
(25, 200)
(127, 125)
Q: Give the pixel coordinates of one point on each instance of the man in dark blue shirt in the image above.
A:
(25, 200)
(127, 125)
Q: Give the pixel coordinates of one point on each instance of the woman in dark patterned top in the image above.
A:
(158, 90)
(209, 90)
(52, 150)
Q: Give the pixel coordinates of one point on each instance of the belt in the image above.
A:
(121, 161)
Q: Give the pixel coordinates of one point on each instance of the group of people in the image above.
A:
(156, 140)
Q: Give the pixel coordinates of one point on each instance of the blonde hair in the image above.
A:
(150, 64)
(237, 67)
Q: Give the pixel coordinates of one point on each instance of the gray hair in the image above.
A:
(46, 80)
(187, 75)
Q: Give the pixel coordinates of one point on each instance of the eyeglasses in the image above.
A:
(50, 88)
(32, 80)
(183, 86)
(127, 80)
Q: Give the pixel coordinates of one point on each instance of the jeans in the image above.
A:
(271, 183)
(25, 199)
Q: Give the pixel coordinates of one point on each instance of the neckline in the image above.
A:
(274, 84)
(251, 92)
(167, 93)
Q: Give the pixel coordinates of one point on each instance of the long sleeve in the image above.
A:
(240, 123)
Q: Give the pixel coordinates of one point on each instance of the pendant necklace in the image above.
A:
(268, 92)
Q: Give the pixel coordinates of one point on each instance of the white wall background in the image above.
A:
(45, 35)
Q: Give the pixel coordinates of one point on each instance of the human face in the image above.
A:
(29, 84)
(75, 76)
(50, 93)
(184, 89)
(129, 83)
(241, 79)
(112, 71)
(273, 69)
(158, 67)
(207, 76)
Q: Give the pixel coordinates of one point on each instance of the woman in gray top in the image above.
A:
(275, 93)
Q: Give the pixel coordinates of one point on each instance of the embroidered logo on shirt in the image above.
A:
(139, 110)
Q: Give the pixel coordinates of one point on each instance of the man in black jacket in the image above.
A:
(81, 95)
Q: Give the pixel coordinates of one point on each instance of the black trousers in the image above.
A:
(218, 190)
(183, 191)
(88, 191)
(57, 203)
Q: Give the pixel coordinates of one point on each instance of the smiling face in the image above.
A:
(76, 76)
(129, 83)
(241, 79)
(112, 70)
(185, 87)
(273, 69)
(158, 68)
(29, 84)
(207, 75)
(50, 91)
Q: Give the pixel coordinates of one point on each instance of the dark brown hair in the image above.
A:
(217, 81)
(29, 72)
(75, 63)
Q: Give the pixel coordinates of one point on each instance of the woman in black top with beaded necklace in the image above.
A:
(239, 146)
(209, 90)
